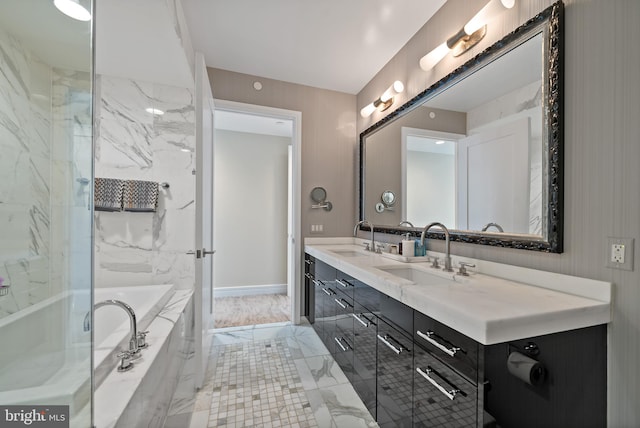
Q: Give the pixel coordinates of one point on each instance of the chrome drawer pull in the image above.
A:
(308, 275)
(328, 292)
(339, 342)
(427, 336)
(342, 283)
(366, 324)
(386, 339)
(451, 395)
(315, 282)
(339, 302)
(307, 261)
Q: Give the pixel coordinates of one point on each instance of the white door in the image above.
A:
(203, 296)
(493, 178)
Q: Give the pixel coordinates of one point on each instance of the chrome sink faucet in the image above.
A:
(372, 247)
(134, 346)
(447, 257)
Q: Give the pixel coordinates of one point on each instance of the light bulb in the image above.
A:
(367, 110)
(429, 61)
(391, 91)
(490, 10)
(73, 9)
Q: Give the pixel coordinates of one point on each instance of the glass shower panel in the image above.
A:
(46, 176)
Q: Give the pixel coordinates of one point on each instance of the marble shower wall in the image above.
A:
(523, 102)
(25, 123)
(146, 248)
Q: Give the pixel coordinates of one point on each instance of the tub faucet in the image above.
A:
(496, 225)
(133, 326)
(367, 223)
(447, 257)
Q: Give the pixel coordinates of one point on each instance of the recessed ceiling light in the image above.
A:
(73, 9)
(440, 142)
(154, 111)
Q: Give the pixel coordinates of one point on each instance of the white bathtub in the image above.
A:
(111, 330)
(142, 396)
(46, 355)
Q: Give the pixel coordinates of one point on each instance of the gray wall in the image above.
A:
(328, 141)
(602, 150)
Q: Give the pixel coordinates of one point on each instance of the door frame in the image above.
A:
(293, 265)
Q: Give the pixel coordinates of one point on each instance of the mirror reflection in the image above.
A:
(476, 150)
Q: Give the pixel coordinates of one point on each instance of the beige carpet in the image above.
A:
(249, 310)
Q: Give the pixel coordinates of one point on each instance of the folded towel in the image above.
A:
(140, 196)
(107, 194)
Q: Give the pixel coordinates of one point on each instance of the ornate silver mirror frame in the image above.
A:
(549, 23)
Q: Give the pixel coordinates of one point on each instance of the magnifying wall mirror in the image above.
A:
(483, 146)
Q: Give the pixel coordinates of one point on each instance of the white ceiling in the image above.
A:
(332, 44)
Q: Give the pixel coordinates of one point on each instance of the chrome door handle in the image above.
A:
(385, 339)
(451, 394)
(365, 324)
(197, 253)
(427, 336)
(342, 283)
(205, 252)
(339, 342)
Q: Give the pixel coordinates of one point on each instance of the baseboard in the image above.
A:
(250, 290)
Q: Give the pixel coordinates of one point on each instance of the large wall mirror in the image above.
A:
(479, 151)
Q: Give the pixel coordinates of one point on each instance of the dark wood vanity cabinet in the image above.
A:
(411, 370)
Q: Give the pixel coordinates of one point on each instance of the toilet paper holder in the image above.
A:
(522, 365)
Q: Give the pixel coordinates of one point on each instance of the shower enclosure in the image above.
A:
(46, 214)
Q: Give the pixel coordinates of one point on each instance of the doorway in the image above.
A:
(256, 210)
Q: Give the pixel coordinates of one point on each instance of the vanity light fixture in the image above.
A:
(468, 36)
(385, 100)
(73, 9)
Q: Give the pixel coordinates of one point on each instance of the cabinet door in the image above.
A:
(395, 377)
(309, 288)
(441, 397)
(365, 328)
(343, 346)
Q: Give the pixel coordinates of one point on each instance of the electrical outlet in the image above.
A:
(620, 253)
(317, 228)
(617, 253)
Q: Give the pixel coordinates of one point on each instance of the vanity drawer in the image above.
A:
(396, 313)
(346, 284)
(368, 297)
(449, 345)
(441, 397)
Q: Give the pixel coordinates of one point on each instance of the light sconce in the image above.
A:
(468, 36)
(385, 100)
(73, 9)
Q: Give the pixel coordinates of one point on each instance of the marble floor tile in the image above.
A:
(275, 376)
(311, 345)
(325, 371)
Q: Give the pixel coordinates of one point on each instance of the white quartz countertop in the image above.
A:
(495, 303)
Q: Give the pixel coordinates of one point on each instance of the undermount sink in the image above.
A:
(416, 275)
(349, 253)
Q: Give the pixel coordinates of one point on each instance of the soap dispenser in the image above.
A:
(408, 246)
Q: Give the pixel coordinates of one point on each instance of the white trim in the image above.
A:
(250, 290)
(296, 143)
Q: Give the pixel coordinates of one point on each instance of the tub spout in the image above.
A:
(133, 326)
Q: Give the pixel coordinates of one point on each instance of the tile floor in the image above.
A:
(273, 376)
